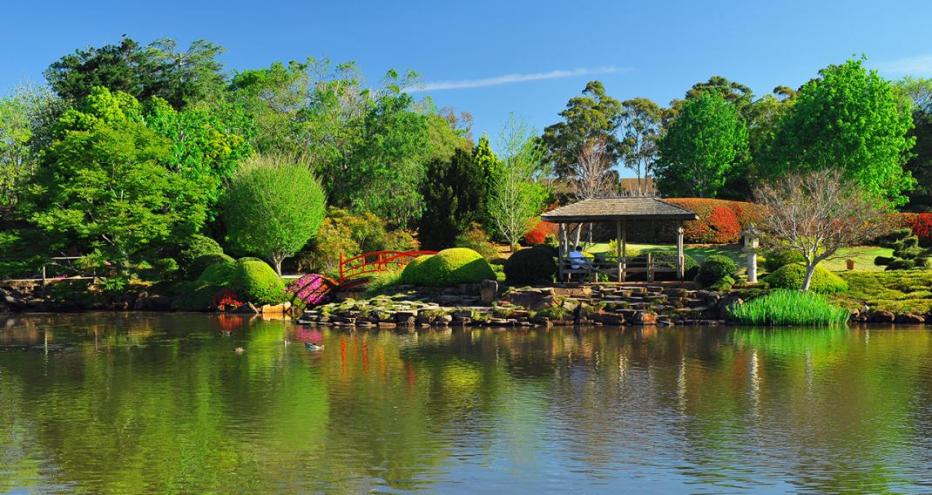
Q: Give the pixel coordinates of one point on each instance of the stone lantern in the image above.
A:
(751, 243)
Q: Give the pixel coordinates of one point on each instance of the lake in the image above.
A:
(162, 403)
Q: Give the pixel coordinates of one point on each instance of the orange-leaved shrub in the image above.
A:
(539, 233)
(720, 220)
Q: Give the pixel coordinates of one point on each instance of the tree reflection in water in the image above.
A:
(140, 403)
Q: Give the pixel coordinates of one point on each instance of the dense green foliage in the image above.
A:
(105, 186)
(715, 268)
(788, 307)
(919, 95)
(852, 119)
(791, 277)
(594, 114)
(257, 282)
(774, 259)
(448, 267)
(531, 265)
(273, 207)
(900, 291)
(701, 147)
(455, 194)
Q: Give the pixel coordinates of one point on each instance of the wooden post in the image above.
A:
(44, 281)
(621, 269)
(650, 268)
(624, 249)
(680, 258)
(561, 250)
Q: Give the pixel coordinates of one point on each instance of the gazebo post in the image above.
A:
(561, 250)
(624, 249)
(680, 259)
(621, 268)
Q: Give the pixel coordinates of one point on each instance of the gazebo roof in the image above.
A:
(612, 209)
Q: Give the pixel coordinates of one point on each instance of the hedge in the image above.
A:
(448, 267)
(720, 221)
(791, 277)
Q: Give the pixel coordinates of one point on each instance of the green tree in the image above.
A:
(488, 163)
(384, 173)
(157, 69)
(918, 92)
(104, 185)
(592, 115)
(455, 192)
(20, 115)
(640, 127)
(204, 146)
(273, 207)
(518, 193)
(702, 145)
(851, 119)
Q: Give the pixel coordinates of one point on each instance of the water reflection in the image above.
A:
(161, 404)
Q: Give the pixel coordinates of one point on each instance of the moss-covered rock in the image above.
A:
(448, 267)
(791, 277)
(257, 282)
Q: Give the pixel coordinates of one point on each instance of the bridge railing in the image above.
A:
(375, 262)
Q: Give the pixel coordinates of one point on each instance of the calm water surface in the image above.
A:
(142, 403)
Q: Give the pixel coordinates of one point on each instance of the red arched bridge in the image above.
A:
(355, 271)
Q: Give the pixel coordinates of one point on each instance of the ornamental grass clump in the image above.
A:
(788, 307)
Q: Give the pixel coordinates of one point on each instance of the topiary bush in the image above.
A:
(197, 267)
(774, 259)
(449, 267)
(531, 265)
(411, 275)
(257, 282)
(219, 274)
(715, 268)
(791, 277)
(198, 246)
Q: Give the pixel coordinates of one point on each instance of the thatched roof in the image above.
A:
(610, 210)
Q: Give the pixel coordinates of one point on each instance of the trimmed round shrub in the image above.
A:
(450, 267)
(531, 266)
(883, 260)
(257, 282)
(198, 246)
(715, 268)
(411, 274)
(792, 276)
(197, 267)
(218, 274)
(777, 258)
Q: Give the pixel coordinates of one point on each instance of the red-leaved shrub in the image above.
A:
(539, 233)
(921, 225)
(720, 221)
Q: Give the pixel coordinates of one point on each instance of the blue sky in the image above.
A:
(495, 58)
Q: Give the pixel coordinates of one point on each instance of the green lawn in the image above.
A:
(863, 257)
(699, 252)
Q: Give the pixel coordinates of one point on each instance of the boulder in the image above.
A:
(881, 316)
(488, 291)
(644, 318)
(910, 318)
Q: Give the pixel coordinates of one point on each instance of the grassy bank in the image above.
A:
(789, 307)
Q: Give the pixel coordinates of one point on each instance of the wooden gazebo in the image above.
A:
(621, 212)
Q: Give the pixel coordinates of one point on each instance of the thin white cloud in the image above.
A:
(510, 79)
(917, 66)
